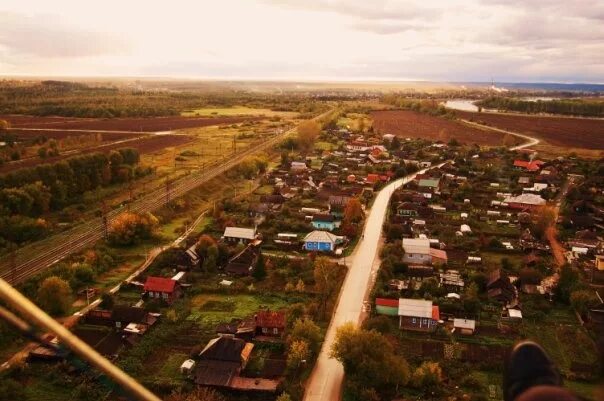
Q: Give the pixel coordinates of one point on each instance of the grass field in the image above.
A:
(211, 309)
(236, 111)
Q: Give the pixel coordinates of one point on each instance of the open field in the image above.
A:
(236, 111)
(152, 124)
(558, 131)
(406, 123)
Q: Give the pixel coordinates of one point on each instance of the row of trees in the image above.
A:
(575, 107)
(428, 106)
(34, 191)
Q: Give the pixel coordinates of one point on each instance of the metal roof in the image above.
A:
(464, 324)
(239, 232)
(416, 245)
(527, 199)
(415, 308)
(321, 236)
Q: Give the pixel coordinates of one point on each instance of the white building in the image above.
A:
(417, 251)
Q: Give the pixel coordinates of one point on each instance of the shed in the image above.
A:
(385, 306)
(187, 367)
(464, 326)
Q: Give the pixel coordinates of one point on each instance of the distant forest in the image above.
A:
(572, 107)
(72, 99)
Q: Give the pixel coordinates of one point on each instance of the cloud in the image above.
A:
(45, 36)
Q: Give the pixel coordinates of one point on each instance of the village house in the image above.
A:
(525, 201)
(533, 165)
(132, 320)
(324, 222)
(417, 251)
(432, 184)
(417, 315)
(162, 288)
(222, 360)
(239, 234)
(322, 241)
(500, 288)
(243, 263)
(298, 167)
(407, 209)
(270, 323)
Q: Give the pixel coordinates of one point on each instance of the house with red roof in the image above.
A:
(372, 179)
(533, 165)
(162, 288)
(270, 323)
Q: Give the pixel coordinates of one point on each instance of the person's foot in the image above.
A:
(528, 365)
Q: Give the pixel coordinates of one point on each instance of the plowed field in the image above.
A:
(405, 123)
(558, 131)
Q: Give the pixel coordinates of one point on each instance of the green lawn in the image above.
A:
(211, 309)
(171, 369)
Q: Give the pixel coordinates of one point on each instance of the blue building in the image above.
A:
(325, 222)
(321, 241)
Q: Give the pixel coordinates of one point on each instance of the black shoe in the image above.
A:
(528, 365)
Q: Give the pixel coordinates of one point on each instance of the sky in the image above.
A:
(432, 40)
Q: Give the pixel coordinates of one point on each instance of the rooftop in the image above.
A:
(416, 245)
(415, 308)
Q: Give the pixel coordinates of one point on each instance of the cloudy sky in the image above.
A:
(446, 40)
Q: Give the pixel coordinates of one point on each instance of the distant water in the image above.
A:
(468, 105)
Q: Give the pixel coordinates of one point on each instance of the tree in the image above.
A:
(210, 259)
(568, 282)
(395, 144)
(107, 301)
(4, 125)
(300, 287)
(427, 376)
(326, 283)
(582, 300)
(203, 243)
(54, 295)
(471, 303)
(259, 272)
(308, 132)
(42, 152)
(130, 228)
(297, 352)
(368, 357)
(306, 330)
(353, 212)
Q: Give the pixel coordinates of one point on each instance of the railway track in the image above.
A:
(36, 257)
